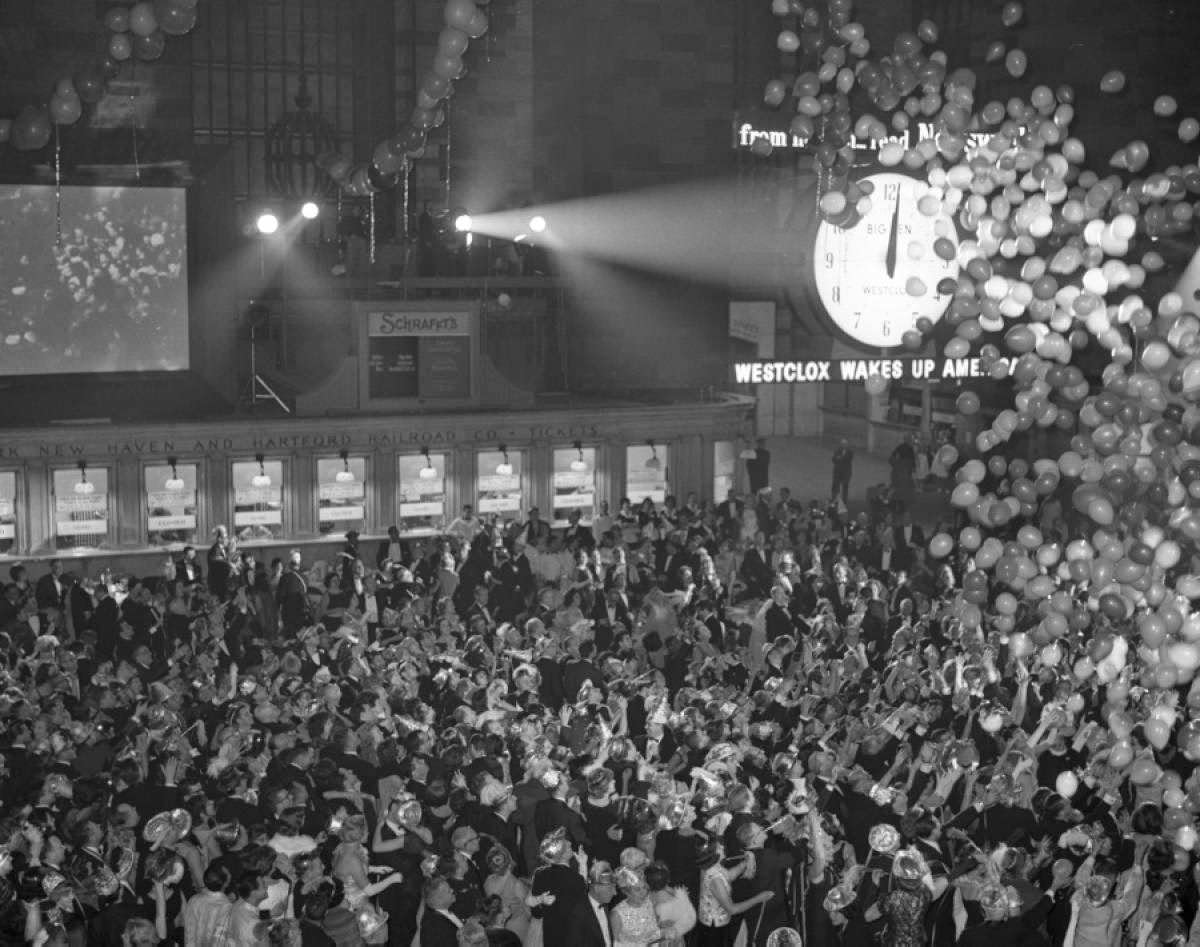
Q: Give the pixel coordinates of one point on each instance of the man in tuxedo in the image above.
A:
(50, 591)
(906, 536)
(393, 550)
(535, 530)
(292, 596)
(611, 609)
(594, 930)
(439, 924)
(756, 567)
(576, 535)
(187, 568)
(843, 468)
(568, 907)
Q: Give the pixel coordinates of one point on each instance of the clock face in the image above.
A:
(877, 278)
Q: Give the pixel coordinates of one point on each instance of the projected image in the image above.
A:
(111, 296)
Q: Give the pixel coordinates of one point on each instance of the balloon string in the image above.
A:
(58, 216)
(371, 247)
(449, 138)
(137, 164)
(406, 172)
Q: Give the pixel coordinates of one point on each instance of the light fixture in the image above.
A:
(174, 482)
(504, 468)
(462, 223)
(579, 465)
(748, 452)
(652, 462)
(519, 237)
(345, 475)
(470, 239)
(310, 210)
(84, 487)
(260, 479)
(537, 224)
(428, 472)
(267, 223)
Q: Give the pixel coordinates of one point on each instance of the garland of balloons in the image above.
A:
(1054, 259)
(464, 21)
(139, 31)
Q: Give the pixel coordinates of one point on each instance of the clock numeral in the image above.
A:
(857, 319)
(837, 294)
(829, 261)
(887, 328)
(891, 191)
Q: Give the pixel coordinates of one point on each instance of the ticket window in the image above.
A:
(574, 484)
(498, 484)
(171, 492)
(341, 493)
(422, 487)
(8, 511)
(257, 500)
(646, 473)
(81, 507)
(725, 455)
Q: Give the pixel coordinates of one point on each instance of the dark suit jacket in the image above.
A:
(437, 930)
(563, 921)
(46, 595)
(582, 534)
(902, 556)
(757, 571)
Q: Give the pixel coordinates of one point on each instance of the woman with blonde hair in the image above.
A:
(503, 884)
(351, 867)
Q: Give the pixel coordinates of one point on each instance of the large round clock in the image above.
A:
(866, 274)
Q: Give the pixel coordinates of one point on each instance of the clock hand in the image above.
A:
(891, 249)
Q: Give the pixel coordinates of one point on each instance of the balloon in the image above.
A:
(448, 67)
(1121, 755)
(452, 42)
(150, 48)
(478, 25)
(120, 46)
(968, 403)
(1067, 784)
(1011, 13)
(459, 13)
(65, 109)
(875, 384)
(173, 19)
(941, 545)
(1158, 734)
(1189, 130)
(31, 129)
(116, 19)
(89, 83)
(1144, 772)
(1112, 82)
(142, 19)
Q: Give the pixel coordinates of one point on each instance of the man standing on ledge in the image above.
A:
(292, 596)
(758, 468)
(843, 467)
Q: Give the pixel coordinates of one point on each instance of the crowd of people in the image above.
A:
(762, 721)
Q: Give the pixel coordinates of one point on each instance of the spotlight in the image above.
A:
(310, 210)
(462, 223)
(537, 224)
(267, 223)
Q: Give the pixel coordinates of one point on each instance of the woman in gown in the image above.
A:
(674, 909)
(633, 921)
(903, 908)
(351, 866)
(511, 891)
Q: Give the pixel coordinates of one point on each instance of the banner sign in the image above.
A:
(856, 369)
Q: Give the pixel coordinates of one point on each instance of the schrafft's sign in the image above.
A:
(855, 369)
